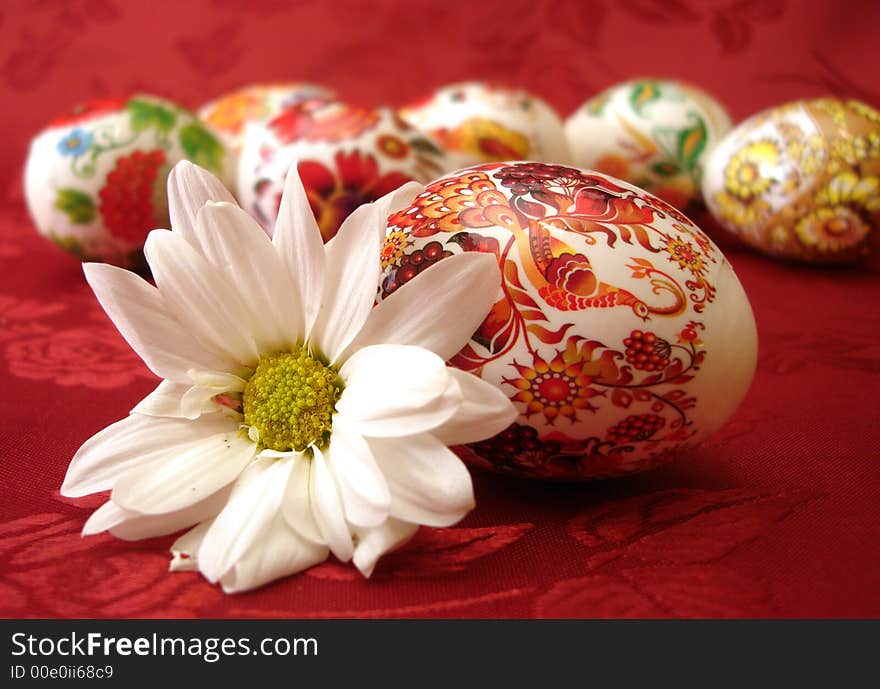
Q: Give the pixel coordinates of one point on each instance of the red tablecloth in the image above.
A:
(777, 515)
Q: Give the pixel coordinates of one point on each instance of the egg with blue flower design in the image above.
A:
(95, 178)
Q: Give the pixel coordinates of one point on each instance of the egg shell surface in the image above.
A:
(621, 333)
(801, 181)
(476, 122)
(95, 180)
(347, 156)
(654, 133)
(229, 113)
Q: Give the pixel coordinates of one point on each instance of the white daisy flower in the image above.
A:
(293, 418)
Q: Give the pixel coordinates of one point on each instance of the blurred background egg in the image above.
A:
(95, 180)
(347, 156)
(802, 181)
(229, 113)
(621, 333)
(654, 133)
(476, 122)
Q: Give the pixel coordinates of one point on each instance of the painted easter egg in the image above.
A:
(229, 113)
(621, 333)
(654, 133)
(95, 180)
(347, 156)
(802, 181)
(476, 122)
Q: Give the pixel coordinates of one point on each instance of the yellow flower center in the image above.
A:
(290, 400)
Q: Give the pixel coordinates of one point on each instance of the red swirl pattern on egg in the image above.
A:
(620, 332)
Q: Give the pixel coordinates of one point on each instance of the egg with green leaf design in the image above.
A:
(95, 179)
(654, 133)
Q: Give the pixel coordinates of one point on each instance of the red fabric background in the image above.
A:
(777, 515)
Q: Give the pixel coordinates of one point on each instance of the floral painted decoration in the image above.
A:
(232, 112)
(294, 420)
(620, 332)
(346, 155)
(95, 180)
(802, 181)
(477, 122)
(654, 133)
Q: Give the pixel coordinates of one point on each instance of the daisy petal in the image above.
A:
(235, 243)
(297, 504)
(374, 543)
(394, 390)
(185, 549)
(298, 241)
(485, 410)
(327, 508)
(227, 382)
(462, 288)
(203, 300)
(134, 526)
(197, 401)
(277, 454)
(429, 484)
(189, 188)
(365, 495)
(350, 281)
(133, 442)
(254, 503)
(178, 481)
(145, 321)
(394, 201)
(165, 401)
(279, 552)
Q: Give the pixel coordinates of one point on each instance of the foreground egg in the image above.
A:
(347, 156)
(475, 122)
(95, 180)
(802, 181)
(229, 113)
(654, 133)
(621, 332)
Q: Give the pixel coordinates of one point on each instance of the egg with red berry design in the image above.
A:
(620, 331)
(95, 178)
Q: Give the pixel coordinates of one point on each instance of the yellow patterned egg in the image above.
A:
(654, 133)
(476, 122)
(802, 181)
(620, 332)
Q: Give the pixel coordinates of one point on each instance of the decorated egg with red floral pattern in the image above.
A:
(654, 133)
(476, 122)
(95, 179)
(347, 156)
(229, 113)
(620, 332)
(802, 181)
